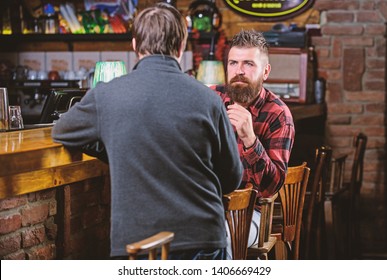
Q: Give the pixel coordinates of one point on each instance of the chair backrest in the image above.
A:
(292, 196)
(266, 241)
(360, 143)
(265, 226)
(337, 172)
(238, 209)
(151, 245)
(314, 209)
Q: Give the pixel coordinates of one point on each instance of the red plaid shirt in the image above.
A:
(265, 164)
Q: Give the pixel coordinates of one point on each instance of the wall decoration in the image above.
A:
(270, 10)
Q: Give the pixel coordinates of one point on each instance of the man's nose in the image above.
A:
(240, 70)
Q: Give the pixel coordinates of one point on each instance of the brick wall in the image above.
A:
(27, 228)
(40, 226)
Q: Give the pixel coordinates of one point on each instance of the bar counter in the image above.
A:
(60, 196)
(30, 161)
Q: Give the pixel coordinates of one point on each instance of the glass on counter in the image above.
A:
(15, 118)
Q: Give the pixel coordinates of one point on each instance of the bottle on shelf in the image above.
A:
(6, 22)
(51, 21)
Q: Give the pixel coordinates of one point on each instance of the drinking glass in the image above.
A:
(15, 118)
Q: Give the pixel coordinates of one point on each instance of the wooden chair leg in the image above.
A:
(165, 251)
(329, 230)
(280, 250)
(317, 242)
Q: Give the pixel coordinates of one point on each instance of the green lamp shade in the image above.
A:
(211, 72)
(106, 71)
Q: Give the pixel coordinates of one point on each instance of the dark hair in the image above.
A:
(250, 39)
(159, 29)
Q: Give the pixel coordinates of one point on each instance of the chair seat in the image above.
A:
(261, 251)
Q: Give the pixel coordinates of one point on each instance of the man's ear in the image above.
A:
(134, 44)
(181, 51)
(266, 71)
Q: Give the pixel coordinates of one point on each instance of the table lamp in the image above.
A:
(211, 71)
(106, 71)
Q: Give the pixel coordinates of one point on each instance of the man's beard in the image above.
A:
(243, 93)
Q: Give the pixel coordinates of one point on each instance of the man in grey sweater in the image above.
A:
(171, 149)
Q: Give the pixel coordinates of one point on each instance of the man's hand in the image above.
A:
(241, 119)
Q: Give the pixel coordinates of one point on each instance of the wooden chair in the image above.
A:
(291, 196)
(266, 240)
(354, 185)
(238, 209)
(342, 226)
(333, 194)
(151, 245)
(313, 223)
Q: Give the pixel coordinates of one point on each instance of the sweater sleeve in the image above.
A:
(228, 165)
(79, 125)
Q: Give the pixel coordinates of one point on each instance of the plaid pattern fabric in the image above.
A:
(265, 164)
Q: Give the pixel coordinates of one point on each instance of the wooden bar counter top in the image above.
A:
(30, 161)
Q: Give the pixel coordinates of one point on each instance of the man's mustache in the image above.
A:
(240, 78)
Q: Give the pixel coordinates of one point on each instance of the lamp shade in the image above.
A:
(106, 71)
(211, 72)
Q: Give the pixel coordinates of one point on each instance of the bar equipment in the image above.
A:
(58, 102)
(31, 96)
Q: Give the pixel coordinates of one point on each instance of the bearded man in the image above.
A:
(262, 122)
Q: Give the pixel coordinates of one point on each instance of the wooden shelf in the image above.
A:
(23, 38)
(63, 42)
(20, 38)
(73, 42)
